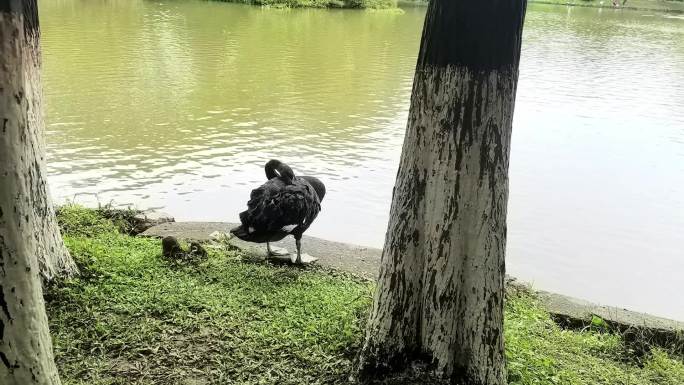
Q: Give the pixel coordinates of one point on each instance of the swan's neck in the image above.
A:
(277, 169)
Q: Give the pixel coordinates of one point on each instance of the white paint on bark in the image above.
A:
(23, 176)
(30, 243)
(440, 291)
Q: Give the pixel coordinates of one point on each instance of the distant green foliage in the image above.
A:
(135, 318)
(371, 4)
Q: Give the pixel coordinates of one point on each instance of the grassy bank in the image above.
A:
(358, 4)
(135, 318)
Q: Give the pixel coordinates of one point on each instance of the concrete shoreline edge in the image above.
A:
(639, 329)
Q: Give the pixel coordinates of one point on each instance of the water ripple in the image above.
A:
(177, 105)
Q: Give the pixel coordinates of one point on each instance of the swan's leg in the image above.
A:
(276, 251)
(298, 242)
(301, 258)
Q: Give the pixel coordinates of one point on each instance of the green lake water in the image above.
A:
(177, 105)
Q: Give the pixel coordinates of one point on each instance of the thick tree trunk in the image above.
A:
(23, 184)
(439, 301)
(30, 244)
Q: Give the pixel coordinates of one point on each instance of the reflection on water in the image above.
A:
(178, 105)
(597, 163)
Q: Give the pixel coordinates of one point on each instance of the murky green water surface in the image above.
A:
(177, 105)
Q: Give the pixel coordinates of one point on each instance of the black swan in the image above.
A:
(285, 205)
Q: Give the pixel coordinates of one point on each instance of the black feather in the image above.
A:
(285, 200)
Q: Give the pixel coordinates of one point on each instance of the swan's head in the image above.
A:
(277, 169)
(317, 185)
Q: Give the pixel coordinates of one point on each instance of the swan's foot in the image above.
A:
(303, 259)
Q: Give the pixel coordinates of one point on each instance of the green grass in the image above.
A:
(540, 352)
(135, 318)
(75, 221)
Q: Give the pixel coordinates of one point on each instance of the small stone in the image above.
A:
(306, 259)
(145, 220)
(220, 237)
(279, 251)
(292, 258)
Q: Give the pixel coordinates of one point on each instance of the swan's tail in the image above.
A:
(241, 232)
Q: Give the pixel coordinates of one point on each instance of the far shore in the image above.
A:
(633, 5)
(673, 6)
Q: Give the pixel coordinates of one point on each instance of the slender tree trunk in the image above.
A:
(30, 243)
(23, 184)
(438, 309)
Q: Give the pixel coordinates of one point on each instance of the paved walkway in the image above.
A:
(365, 262)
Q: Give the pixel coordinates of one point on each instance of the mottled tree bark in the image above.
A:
(439, 300)
(30, 243)
(23, 183)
